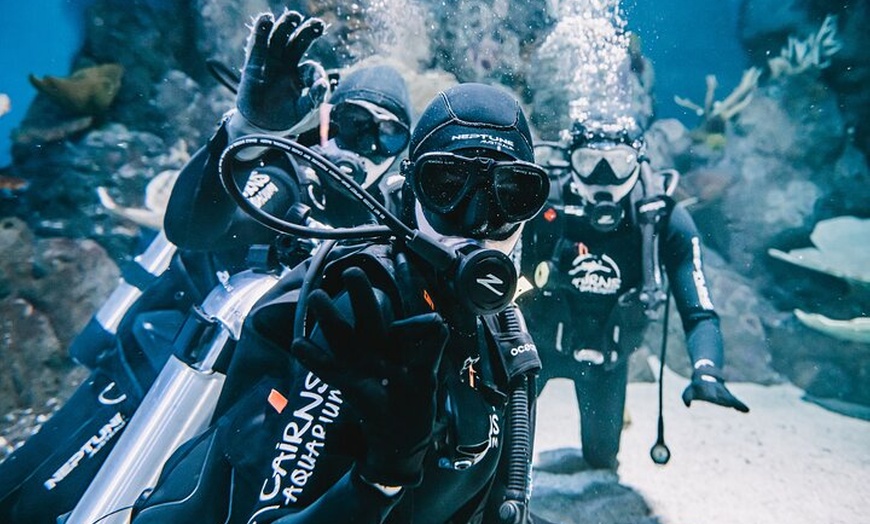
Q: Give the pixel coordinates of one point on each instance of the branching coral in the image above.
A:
(813, 53)
(714, 114)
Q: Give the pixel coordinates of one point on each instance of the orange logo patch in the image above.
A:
(277, 401)
(550, 215)
(428, 300)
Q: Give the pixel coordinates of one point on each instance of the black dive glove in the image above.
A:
(708, 385)
(276, 90)
(385, 369)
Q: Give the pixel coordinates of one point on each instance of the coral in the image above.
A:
(714, 114)
(156, 198)
(5, 104)
(853, 330)
(813, 53)
(89, 91)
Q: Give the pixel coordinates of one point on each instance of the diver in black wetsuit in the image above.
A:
(394, 409)
(36, 482)
(593, 301)
(368, 127)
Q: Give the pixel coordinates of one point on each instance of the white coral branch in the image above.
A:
(740, 97)
(732, 104)
(814, 52)
(688, 104)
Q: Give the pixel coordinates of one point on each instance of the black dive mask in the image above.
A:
(476, 196)
(369, 129)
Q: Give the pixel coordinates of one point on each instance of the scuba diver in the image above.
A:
(409, 392)
(368, 127)
(279, 94)
(130, 339)
(597, 252)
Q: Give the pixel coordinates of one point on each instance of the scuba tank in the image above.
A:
(180, 403)
(99, 334)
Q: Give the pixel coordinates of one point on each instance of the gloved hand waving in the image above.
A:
(278, 90)
(385, 369)
(708, 385)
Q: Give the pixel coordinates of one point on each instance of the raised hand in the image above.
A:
(277, 89)
(385, 369)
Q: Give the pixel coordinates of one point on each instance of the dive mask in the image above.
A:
(443, 180)
(603, 175)
(604, 166)
(369, 129)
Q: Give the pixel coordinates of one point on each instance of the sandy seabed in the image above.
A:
(787, 461)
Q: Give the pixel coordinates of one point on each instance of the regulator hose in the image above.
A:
(484, 281)
(659, 453)
(312, 275)
(515, 507)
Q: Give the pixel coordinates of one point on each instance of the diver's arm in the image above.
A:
(681, 253)
(202, 216)
(199, 210)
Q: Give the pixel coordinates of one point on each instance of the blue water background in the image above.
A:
(684, 39)
(39, 37)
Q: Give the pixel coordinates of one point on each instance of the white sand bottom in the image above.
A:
(787, 461)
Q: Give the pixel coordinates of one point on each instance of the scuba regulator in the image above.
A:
(483, 280)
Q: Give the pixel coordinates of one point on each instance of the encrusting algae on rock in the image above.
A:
(88, 91)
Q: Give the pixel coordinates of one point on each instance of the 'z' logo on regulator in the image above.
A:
(489, 282)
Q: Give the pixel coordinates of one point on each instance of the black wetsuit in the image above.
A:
(285, 452)
(578, 309)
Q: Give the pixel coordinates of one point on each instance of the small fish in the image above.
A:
(11, 185)
(5, 104)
